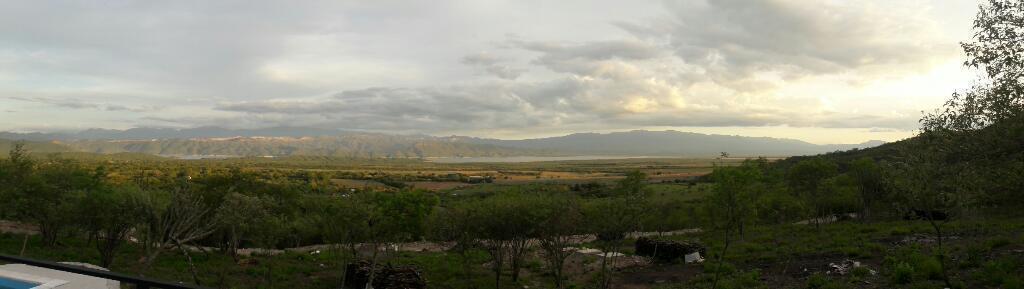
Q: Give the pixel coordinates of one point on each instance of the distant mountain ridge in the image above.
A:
(170, 133)
(285, 141)
(661, 143)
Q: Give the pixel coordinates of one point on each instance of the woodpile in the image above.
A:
(387, 277)
(665, 250)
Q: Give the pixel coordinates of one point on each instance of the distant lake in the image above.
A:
(199, 157)
(525, 159)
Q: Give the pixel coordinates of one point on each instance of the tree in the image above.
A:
(172, 220)
(871, 184)
(396, 217)
(933, 185)
(730, 204)
(986, 123)
(558, 228)
(805, 180)
(14, 173)
(612, 218)
(997, 49)
(110, 214)
(239, 217)
(457, 223)
(48, 196)
(496, 239)
(341, 223)
(839, 194)
(522, 220)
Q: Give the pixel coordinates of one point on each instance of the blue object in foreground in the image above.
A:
(15, 284)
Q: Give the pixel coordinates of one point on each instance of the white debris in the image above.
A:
(693, 258)
(614, 254)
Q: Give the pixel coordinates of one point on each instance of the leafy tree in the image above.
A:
(933, 185)
(871, 184)
(496, 239)
(341, 223)
(805, 180)
(171, 221)
(667, 215)
(997, 49)
(523, 218)
(14, 174)
(240, 217)
(48, 196)
(986, 123)
(777, 206)
(406, 212)
(395, 217)
(457, 223)
(730, 204)
(612, 218)
(560, 224)
(838, 195)
(110, 214)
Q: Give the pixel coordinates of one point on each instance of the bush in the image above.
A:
(929, 268)
(817, 281)
(860, 272)
(1000, 272)
(997, 243)
(903, 273)
(899, 231)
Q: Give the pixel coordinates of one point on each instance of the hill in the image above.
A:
(669, 143)
(348, 145)
(212, 141)
(34, 147)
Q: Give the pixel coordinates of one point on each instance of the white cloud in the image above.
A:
(442, 67)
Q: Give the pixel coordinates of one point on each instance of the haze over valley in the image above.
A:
(213, 141)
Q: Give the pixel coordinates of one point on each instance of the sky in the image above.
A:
(825, 71)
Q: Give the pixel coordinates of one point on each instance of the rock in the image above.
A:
(844, 267)
(915, 214)
(667, 251)
(387, 277)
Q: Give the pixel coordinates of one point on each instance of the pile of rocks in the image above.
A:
(668, 251)
(387, 277)
(845, 267)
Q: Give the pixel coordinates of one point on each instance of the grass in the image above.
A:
(983, 253)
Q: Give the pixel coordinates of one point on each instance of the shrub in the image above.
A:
(726, 268)
(929, 268)
(903, 273)
(997, 243)
(817, 281)
(860, 272)
(899, 231)
(1000, 272)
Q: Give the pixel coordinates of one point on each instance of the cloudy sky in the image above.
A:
(822, 71)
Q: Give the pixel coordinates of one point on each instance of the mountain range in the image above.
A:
(286, 141)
